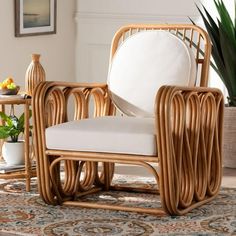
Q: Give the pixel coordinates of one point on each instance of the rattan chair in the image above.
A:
(180, 131)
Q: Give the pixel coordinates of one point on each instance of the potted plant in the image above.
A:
(13, 149)
(222, 32)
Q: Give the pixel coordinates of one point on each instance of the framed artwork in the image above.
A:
(35, 17)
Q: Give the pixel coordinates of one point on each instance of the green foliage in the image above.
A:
(13, 126)
(223, 37)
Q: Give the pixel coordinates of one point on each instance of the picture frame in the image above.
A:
(35, 17)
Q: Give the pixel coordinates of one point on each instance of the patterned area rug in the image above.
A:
(26, 214)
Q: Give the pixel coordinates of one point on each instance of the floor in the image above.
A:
(229, 177)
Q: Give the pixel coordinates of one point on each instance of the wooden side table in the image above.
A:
(28, 172)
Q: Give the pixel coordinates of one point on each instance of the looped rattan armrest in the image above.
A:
(49, 107)
(51, 99)
(189, 135)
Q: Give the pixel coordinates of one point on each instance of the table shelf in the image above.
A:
(28, 172)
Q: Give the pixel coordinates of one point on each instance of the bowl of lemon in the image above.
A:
(8, 87)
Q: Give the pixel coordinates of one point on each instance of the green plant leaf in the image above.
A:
(230, 61)
(225, 19)
(191, 20)
(215, 39)
(22, 118)
(223, 37)
(214, 26)
(5, 118)
(235, 19)
(4, 132)
(213, 31)
(13, 126)
(21, 123)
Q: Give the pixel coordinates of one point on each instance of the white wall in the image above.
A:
(88, 41)
(97, 22)
(57, 50)
(143, 7)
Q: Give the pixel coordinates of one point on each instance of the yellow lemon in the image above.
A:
(8, 80)
(4, 85)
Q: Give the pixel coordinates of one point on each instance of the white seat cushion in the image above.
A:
(105, 134)
(142, 64)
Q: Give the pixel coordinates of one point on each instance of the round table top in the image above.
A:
(14, 99)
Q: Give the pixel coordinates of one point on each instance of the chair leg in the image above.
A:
(107, 180)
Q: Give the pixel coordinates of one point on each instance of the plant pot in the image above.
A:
(13, 153)
(229, 145)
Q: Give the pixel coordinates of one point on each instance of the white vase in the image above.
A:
(13, 153)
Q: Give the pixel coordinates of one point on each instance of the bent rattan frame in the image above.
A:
(188, 131)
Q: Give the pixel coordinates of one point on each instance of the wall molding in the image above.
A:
(127, 17)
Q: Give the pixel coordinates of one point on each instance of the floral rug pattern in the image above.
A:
(24, 213)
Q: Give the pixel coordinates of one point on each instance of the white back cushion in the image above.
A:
(142, 64)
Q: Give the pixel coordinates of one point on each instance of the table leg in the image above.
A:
(2, 108)
(27, 156)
